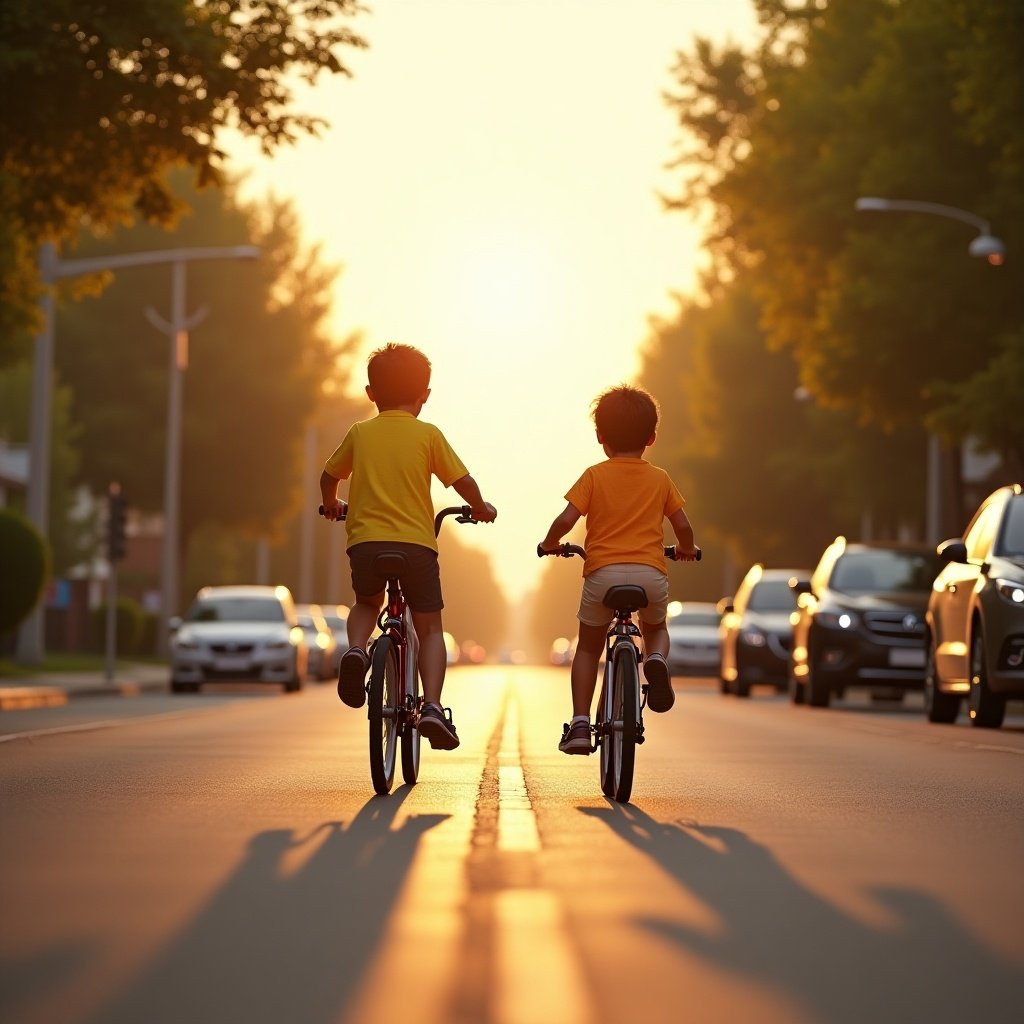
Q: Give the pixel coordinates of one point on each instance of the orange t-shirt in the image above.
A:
(625, 501)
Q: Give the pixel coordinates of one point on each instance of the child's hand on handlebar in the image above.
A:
(485, 513)
(334, 510)
(690, 554)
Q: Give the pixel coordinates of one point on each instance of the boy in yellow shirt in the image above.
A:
(391, 459)
(625, 501)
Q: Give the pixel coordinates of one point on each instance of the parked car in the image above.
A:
(860, 621)
(975, 621)
(321, 641)
(757, 631)
(336, 617)
(695, 645)
(242, 632)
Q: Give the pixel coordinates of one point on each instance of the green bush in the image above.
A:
(25, 564)
(130, 622)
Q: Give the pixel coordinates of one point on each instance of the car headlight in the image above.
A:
(1012, 592)
(837, 619)
(753, 638)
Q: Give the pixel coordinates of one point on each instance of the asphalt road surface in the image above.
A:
(222, 858)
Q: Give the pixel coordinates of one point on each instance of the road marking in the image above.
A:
(535, 964)
(517, 825)
(109, 723)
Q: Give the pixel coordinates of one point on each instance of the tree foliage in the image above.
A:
(257, 366)
(886, 316)
(25, 558)
(112, 95)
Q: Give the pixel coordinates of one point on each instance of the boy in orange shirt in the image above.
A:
(391, 459)
(625, 501)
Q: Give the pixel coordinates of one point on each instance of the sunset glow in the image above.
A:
(490, 185)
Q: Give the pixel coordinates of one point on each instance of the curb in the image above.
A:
(18, 698)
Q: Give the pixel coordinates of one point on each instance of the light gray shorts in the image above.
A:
(594, 612)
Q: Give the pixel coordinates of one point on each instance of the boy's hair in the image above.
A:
(398, 374)
(625, 417)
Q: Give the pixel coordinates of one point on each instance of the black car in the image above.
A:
(976, 616)
(757, 631)
(860, 621)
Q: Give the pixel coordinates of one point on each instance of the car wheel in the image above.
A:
(818, 693)
(795, 688)
(987, 708)
(941, 708)
(177, 687)
(723, 685)
(741, 687)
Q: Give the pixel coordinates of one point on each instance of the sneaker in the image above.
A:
(576, 738)
(352, 677)
(660, 695)
(436, 724)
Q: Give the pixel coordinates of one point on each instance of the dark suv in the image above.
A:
(860, 621)
(756, 630)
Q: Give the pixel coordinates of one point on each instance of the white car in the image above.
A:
(696, 647)
(247, 633)
(321, 641)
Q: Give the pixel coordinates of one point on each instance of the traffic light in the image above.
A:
(116, 513)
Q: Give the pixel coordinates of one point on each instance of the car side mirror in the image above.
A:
(174, 624)
(953, 550)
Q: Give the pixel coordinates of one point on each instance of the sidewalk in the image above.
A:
(51, 689)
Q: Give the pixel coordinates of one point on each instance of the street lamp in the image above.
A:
(51, 269)
(984, 246)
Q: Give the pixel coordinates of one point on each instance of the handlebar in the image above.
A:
(568, 550)
(463, 514)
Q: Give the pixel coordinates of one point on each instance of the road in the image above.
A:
(222, 858)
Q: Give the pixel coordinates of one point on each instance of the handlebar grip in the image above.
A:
(670, 552)
(344, 512)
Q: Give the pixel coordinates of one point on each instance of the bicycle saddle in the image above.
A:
(626, 597)
(390, 563)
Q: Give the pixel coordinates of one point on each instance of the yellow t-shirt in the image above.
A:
(391, 459)
(625, 501)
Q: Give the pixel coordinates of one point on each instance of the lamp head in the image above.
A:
(988, 247)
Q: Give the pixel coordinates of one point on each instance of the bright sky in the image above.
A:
(489, 184)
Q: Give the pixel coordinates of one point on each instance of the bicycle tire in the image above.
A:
(625, 717)
(606, 748)
(382, 713)
(411, 696)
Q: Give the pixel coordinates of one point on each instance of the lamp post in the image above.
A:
(984, 246)
(51, 269)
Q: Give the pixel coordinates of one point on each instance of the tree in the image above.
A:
(863, 97)
(112, 95)
(256, 367)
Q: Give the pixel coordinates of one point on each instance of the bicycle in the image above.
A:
(393, 697)
(618, 728)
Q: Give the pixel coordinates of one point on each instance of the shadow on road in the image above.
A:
(272, 947)
(775, 931)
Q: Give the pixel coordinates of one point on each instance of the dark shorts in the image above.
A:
(421, 582)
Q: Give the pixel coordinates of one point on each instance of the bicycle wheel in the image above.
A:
(625, 717)
(382, 713)
(604, 736)
(411, 695)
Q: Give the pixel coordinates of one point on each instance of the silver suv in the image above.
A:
(247, 633)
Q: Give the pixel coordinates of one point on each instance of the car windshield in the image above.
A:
(885, 572)
(772, 596)
(236, 609)
(694, 619)
(1011, 544)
